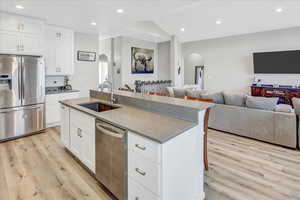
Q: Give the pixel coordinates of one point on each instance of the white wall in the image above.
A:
(122, 59)
(164, 61)
(127, 76)
(85, 73)
(176, 63)
(228, 61)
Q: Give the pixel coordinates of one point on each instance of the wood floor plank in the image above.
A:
(260, 170)
(39, 168)
(3, 182)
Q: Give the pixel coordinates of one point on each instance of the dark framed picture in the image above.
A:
(142, 61)
(86, 56)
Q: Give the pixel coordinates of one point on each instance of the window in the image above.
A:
(103, 68)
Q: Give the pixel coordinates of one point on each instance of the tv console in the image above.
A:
(285, 94)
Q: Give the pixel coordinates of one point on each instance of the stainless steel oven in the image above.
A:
(111, 158)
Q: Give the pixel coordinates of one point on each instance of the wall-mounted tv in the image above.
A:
(280, 62)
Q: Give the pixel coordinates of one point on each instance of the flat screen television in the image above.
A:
(280, 62)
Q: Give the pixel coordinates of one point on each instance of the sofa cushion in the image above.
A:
(262, 103)
(284, 108)
(216, 97)
(296, 104)
(195, 93)
(234, 99)
(179, 92)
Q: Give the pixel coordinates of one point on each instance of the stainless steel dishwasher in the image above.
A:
(111, 158)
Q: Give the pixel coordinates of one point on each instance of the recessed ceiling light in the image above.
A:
(182, 29)
(218, 22)
(93, 23)
(279, 10)
(120, 11)
(20, 7)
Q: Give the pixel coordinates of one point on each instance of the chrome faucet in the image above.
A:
(112, 97)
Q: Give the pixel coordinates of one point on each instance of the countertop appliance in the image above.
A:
(22, 95)
(111, 158)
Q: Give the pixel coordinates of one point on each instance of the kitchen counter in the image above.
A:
(195, 105)
(154, 126)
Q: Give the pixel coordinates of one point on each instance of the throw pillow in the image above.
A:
(284, 108)
(234, 99)
(262, 103)
(179, 92)
(296, 104)
(216, 97)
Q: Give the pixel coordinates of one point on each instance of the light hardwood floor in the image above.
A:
(245, 169)
(38, 168)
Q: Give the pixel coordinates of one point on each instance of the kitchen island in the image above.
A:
(163, 144)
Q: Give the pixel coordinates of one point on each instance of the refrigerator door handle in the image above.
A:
(19, 80)
(22, 78)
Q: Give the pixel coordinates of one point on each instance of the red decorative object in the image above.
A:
(285, 94)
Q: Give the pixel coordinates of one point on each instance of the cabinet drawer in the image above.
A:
(137, 192)
(82, 120)
(144, 171)
(145, 147)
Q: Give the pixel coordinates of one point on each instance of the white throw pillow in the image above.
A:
(284, 108)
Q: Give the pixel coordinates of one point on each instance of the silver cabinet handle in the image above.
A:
(79, 132)
(140, 172)
(140, 147)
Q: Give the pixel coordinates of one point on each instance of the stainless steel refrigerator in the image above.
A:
(22, 96)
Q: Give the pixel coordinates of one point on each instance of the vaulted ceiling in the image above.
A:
(156, 20)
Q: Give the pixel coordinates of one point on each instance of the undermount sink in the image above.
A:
(98, 107)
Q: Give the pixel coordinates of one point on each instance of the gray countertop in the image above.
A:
(157, 127)
(196, 105)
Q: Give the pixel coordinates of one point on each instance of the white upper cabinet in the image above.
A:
(9, 42)
(21, 35)
(59, 51)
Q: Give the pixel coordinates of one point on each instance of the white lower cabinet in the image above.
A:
(138, 192)
(172, 170)
(82, 138)
(144, 168)
(53, 117)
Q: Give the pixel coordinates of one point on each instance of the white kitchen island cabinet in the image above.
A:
(172, 170)
(166, 170)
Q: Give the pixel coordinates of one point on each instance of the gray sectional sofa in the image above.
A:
(270, 126)
(252, 117)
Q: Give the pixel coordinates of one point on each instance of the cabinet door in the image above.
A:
(31, 44)
(52, 114)
(75, 140)
(88, 149)
(64, 54)
(8, 22)
(65, 125)
(50, 51)
(30, 26)
(9, 42)
(59, 51)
